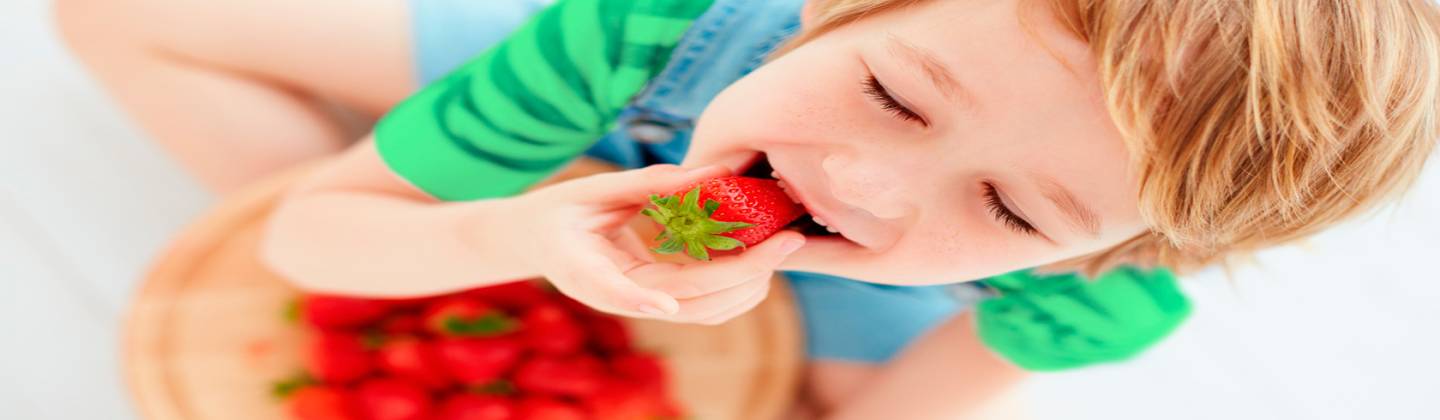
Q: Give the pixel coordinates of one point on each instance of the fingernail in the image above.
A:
(650, 309)
(791, 245)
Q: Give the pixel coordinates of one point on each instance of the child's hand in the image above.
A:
(575, 234)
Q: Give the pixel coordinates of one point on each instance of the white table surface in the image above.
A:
(1341, 329)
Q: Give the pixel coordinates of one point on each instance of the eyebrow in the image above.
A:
(937, 72)
(1080, 216)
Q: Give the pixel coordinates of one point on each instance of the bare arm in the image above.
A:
(354, 227)
(948, 374)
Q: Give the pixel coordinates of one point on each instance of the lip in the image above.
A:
(831, 219)
(817, 211)
(738, 163)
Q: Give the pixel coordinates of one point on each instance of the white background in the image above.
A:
(1343, 328)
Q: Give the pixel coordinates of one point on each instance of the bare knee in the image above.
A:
(829, 383)
(94, 26)
(79, 21)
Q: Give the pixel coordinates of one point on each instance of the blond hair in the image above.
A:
(1250, 123)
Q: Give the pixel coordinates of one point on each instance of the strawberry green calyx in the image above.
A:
(488, 325)
(284, 388)
(496, 387)
(688, 226)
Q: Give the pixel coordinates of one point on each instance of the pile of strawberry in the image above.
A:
(515, 351)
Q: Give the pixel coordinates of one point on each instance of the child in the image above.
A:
(944, 141)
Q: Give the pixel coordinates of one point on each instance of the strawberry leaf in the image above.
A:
(294, 309)
(496, 387)
(285, 387)
(655, 215)
(372, 340)
(721, 243)
(722, 227)
(691, 200)
(488, 325)
(670, 247)
(696, 250)
(710, 206)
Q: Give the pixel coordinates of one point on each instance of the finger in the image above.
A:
(709, 306)
(740, 309)
(636, 186)
(623, 248)
(704, 278)
(633, 247)
(577, 290)
(602, 276)
(617, 217)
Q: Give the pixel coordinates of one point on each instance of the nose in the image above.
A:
(871, 185)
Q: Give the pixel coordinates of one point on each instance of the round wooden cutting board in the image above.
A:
(205, 337)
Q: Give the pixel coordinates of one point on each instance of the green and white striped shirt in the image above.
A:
(519, 111)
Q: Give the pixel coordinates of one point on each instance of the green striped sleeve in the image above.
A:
(1057, 322)
(520, 110)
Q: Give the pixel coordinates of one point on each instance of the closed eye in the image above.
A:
(873, 88)
(1003, 214)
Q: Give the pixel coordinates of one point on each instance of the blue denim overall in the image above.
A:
(845, 319)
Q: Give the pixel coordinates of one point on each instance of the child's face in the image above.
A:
(915, 199)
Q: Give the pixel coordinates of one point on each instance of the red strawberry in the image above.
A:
(414, 360)
(321, 403)
(722, 214)
(402, 323)
(338, 312)
(392, 399)
(541, 408)
(338, 357)
(625, 401)
(478, 361)
(639, 368)
(549, 328)
(513, 296)
(609, 333)
(577, 376)
(410, 303)
(466, 317)
(477, 407)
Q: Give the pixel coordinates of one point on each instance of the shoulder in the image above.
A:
(1054, 322)
(616, 46)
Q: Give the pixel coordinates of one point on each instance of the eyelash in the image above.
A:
(1004, 215)
(874, 89)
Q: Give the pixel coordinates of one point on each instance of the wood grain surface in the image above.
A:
(205, 336)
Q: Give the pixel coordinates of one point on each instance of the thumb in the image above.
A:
(636, 186)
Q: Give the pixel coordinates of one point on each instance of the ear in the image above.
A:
(807, 13)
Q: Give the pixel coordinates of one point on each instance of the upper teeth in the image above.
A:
(819, 221)
(786, 187)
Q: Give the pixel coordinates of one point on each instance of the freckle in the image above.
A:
(952, 242)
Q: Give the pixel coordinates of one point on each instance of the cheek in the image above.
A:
(963, 245)
(787, 100)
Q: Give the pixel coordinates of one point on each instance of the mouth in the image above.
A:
(759, 166)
